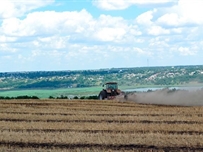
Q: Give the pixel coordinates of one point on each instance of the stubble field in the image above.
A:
(93, 125)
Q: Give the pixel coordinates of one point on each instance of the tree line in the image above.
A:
(50, 97)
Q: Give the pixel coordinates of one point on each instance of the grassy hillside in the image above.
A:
(46, 93)
(140, 76)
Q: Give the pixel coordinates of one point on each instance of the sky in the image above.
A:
(54, 35)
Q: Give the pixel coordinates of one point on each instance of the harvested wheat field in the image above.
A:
(93, 125)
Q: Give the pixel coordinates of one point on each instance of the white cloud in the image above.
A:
(123, 4)
(49, 22)
(177, 30)
(113, 31)
(14, 8)
(140, 51)
(159, 42)
(146, 18)
(157, 30)
(110, 34)
(53, 42)
(191, 10)
(184, 13)
(134, 30)
(4, 39)
(186, 51)
(79, 25)
(145, 21)
(112, 4)
(6, 47)
(171, 19)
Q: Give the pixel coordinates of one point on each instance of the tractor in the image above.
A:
(110, 92)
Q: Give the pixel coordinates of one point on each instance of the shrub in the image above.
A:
(19, 97)
(83, 97)
(76, 97)
(92, 97)
(51, 97)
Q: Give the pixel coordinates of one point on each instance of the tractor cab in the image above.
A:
(111, 86)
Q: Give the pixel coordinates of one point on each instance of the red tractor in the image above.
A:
(110, 92)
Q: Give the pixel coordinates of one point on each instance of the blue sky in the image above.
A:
(44, 35)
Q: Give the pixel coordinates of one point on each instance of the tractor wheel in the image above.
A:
(102, 95)
(126, 97)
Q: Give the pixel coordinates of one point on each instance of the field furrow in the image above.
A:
(104, 121)
(100, 147)
(107, 131)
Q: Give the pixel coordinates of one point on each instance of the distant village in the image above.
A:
(138, 76)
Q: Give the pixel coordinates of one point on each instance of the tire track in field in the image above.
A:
(72, 146)
(96, 114)
(166, 132)
(104, 121)
(72, 104)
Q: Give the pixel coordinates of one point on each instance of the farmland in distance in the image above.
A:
(93, 125)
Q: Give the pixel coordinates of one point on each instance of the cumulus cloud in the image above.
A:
(79, 25)
(171, 19)
(110, 31)
(184, 13)
(146, 18)
(48, 22)
(191, 11)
